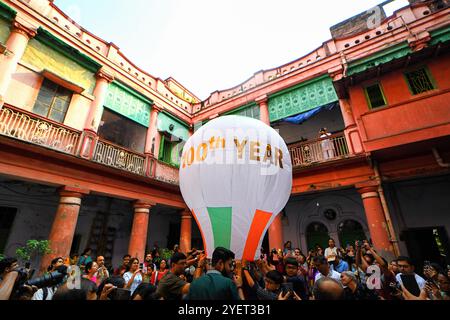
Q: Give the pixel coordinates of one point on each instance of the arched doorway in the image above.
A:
(317, 234)
(349, 231)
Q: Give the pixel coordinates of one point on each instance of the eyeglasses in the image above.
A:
(233, 265)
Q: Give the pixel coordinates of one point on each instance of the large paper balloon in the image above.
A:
(235, 177)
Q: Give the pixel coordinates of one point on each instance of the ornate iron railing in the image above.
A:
(34, 129)
(118, 157)
(165, 172)
(321, 150)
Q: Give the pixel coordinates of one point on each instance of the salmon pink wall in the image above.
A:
(406, 117)
(78, 111)
(24, 88)
(395, 87)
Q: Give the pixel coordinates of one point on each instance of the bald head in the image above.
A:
(328, 289)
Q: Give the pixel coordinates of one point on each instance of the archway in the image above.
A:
(317, 234)
(349, 231)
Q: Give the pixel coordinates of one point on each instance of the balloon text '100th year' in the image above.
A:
(257, 152)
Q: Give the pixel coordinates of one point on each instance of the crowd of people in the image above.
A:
(281, 274)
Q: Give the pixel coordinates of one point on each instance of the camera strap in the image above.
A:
(45, 293)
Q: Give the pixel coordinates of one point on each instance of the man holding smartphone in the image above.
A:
(406, 269)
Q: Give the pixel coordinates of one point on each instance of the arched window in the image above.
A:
(317, 234)
(349, 231)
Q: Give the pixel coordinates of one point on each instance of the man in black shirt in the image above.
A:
(299, 285)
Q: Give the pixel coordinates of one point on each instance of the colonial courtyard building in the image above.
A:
(90, 143)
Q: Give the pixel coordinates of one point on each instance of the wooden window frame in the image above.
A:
(54, 99)
(429, 75)
(369, 103)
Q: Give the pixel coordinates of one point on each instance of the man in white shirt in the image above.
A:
(44, 293)
(406, 267)
(327, 145)
(331, 252)
(322, 265)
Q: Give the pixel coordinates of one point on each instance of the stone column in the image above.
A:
(89, 137)
(138, 238)
(351, 132)
(375, 218)
(186, 231)
(94, 117)
(64, 224)
(263, 109)
(15, 46)
(153, 136)
(276, 233)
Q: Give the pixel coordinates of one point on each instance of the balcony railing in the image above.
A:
(318, 151)
(34, 129)
(119, 158)
(165, 172)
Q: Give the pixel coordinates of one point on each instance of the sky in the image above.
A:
(210, 45)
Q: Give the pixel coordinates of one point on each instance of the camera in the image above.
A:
(23, 276)
(49, 280)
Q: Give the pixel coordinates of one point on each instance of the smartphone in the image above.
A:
(120, 294)
(287, 287)
(410, 284)
(141, 266)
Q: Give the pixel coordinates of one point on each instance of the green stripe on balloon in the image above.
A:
(221, 226)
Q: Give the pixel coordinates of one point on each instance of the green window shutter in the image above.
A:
(6, 12)
(128, 103)
(304, 97)
(4, 30)
(172, 126)
(250, 111)
(379, 58)
(161, 148)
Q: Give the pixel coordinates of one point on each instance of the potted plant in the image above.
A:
(32, 251)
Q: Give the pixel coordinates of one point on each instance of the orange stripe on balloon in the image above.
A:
(201, 231)
(259, 223)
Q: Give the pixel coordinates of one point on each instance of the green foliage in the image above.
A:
(32, 249)
(165, 254)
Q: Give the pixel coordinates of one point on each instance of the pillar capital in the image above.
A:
(336, 73)
(186, 214)
(75, 192)
(262, 99)
(138, 204)
(367, 187)
(17, 27)
(157, 107)
(105, 75)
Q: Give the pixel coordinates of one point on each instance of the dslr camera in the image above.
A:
(49, 280)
